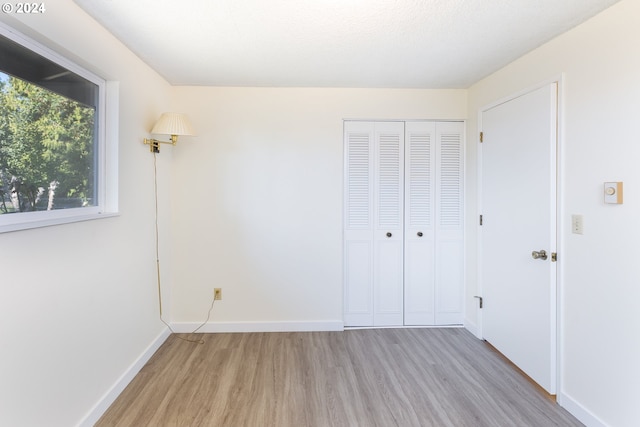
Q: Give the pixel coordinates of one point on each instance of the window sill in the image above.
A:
(48, 222)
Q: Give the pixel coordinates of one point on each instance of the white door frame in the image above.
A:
(559, 216)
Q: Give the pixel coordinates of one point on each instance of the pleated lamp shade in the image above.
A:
(173, 124)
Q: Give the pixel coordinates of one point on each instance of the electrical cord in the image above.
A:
(157, 235)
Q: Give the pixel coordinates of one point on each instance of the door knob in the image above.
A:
(389, 234)
(419, 233)
(539, 255)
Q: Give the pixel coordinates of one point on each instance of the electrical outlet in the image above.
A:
(217, 294)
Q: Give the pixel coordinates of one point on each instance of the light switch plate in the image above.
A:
(613, 193)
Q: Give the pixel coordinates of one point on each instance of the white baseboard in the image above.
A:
(285, 326)
(359, 328)
(583, 415)
(110, 396)
(472, 327)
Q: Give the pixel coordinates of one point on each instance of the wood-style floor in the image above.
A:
(376, 377)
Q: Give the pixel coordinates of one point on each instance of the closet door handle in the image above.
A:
(419, 233)
(389, 234)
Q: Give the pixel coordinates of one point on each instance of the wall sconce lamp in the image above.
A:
(173, 124)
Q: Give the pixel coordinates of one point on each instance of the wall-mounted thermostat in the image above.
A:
(613, 192)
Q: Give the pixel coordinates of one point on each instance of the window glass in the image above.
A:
(52, 152)
(47, 149)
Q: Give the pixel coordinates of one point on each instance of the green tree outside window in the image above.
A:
(47, 149)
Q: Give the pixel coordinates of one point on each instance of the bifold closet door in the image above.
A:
(373, 229)
(420, 176)
(434, 239)
(403, 231)
(449, 216)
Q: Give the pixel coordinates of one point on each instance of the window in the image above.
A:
(54, 162)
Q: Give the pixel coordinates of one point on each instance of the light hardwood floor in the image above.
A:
(376, 377)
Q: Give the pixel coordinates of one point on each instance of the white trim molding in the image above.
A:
(121, 383)
(579, 411)
(282, 326)
(472, 327)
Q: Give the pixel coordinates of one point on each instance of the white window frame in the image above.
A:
(107, 149)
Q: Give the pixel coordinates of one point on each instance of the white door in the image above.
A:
(373, 229)
(449, 215)
(518, 206)
(420, 172)
(388, 228)
(434, 234)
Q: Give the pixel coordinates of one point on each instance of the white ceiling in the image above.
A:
(335, 43)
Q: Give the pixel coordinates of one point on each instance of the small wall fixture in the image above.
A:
(173, 124)
(613, 193)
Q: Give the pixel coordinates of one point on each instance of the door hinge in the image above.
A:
(554, 257)
(480, 219)
(479, 300)
(481, 137)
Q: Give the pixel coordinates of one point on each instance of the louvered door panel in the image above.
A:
(419, 274)
(390, 185)
(420, 175)
(388, 233)
(358, 224)
(449, 248)
(450, 179)
(358, 177)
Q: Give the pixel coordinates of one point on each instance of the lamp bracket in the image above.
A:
(154, 144)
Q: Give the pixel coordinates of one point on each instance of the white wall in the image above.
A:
(600, 336)
(257, 200)
(78, 302)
